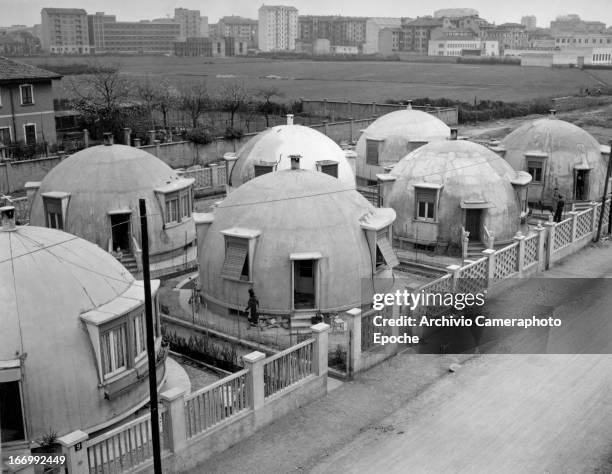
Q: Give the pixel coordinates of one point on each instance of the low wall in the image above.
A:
(562, 104)
(337, 109)
(15, 174)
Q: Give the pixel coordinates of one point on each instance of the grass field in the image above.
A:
(361, 81)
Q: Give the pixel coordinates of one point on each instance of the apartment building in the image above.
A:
(339, 30)
(277, 28)
(238, 27)
(189, 21)
(64, 31)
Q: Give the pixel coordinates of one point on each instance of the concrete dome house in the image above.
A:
(72, 344)
(447, 188)
(563, 159)
(390, 137)
(304, 241)
(94, 194)
(271, 149)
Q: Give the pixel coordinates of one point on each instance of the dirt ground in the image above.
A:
(498, 413)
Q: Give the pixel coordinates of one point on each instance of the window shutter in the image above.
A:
(263, 169)
(372, 147)
(425, 195)
(235, 256)
(330, 169)
(388, 254)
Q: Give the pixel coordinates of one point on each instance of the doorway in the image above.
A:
(11, 412)
(581, 185)
(121, 231)
(304, 284)
(472, 223)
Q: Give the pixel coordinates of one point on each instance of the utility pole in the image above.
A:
(150, 338)
(605, 194)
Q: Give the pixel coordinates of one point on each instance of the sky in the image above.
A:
(27, 12)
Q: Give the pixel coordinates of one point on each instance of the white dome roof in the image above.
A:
(276, 144)
(48, 278)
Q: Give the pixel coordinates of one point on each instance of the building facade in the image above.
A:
(339, 30)
(190, 22)
(582, 40)
(26, 105)
(277, 28)
(573, 24)
(240, 28)
(463, 47)
(64, 31)
(211, 47)
(134, 37)
(530, 22)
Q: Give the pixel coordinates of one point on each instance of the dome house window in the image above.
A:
(426, 199)
(11, 411)
(263, 168)
(239, 250)
(55, 204)
(328, 167)
(372, 151)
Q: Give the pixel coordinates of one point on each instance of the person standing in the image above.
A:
(559, 209)
(252, 308)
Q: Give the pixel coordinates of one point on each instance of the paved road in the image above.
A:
(512, 413)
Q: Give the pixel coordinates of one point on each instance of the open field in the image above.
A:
(361, 81)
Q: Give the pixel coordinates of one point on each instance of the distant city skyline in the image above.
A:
(28, 11)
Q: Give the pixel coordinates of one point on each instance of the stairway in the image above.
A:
(302, 320)
(474, 250)
(129, 262)
(579, 206)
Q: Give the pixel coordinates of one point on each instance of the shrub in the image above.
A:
(200, 136)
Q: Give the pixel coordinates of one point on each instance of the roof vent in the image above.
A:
(289, 119)
(553, 113)
(408, 105)
(7, 214)
(295, 162)
(453, 133)
(108, 139)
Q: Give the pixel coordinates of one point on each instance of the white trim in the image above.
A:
(28, 113)
(21, 86)
(25, 135)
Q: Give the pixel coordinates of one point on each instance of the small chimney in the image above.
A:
(409, 105)
(289, 119)
(553, 113)
(295, 162)
(7, 214)
(454, 132)
(108, 139)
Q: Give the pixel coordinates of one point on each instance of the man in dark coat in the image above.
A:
(559, 209)
(252, 308)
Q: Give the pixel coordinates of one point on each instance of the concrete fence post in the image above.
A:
(325, 107)
(490, 254)
(573, 215)
(593, 217)
(541, 247)
(157, 148)
(151, 136)
(127, 132)
(254, 361)
(174, 402)
(373, 109)
(73, 447)
(351, 129)
(137, 142)
(326, 127)
(348, 105)
(550, 243)
(454, 271)
(465, 242)
(86, 138)
(320, 332)
(521, 253)
(214, 175)
(353, 355)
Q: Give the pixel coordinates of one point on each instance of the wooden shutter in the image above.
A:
(388, 254)
(236, 252)
(425, 195)
(263, 169)
(330, 169)
(372, 147)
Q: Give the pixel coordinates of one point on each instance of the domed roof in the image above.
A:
(276, 144)
(47, 279)
(467, 174)
(549, 135)
(294, 211)
(458, 161)
(409, 123)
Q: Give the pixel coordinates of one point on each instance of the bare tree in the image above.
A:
(102, 97)
(233, 98)
(146, 91)
(267, 107)
(167, 98)
(194, 100)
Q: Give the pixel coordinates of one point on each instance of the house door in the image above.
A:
(121, 233)
(581, 185)
(30, 134)
(472, 223)
(304, 284)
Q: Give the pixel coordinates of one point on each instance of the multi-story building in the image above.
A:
(111, 36)
(64, 31)
(584, 40)
(529, 22)
(457, 46)
(211, 47)
(339, 30)
(417, 33)
(238, 27)
(573, 24)
(374, 29)
(509, 36)
(277, 28)
(189, 20)
(26, 104)
(204, 30)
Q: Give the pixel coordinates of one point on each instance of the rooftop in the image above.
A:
(11, 71)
